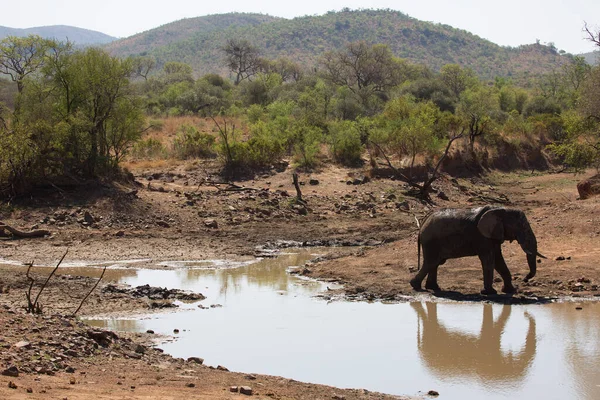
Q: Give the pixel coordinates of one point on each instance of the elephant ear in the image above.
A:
(490, 225)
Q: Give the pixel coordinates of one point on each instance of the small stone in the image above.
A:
(233, 389)
(23, 345)
(196, 360)
(247, 390)
(433, 393)
(12, 385)
(579, 308)
(132, 387)
(70, 370)
(140, 349)
(72, 381)
(338, 397)
(175, 330)
(29, 390)
(250, 377)
(221, 368)
(150, 331)
(120, 234)
(190, 385)
(313, 182)
(11, 371)
(211, 223)
(560, 258)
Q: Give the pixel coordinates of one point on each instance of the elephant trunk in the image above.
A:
(528, 243)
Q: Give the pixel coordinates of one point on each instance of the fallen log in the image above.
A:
(22, 234)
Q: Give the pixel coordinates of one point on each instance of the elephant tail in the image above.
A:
(418, 244)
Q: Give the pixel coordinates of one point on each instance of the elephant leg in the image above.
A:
(487, 264)
(428, 267)
(431, 282)
(500, 266)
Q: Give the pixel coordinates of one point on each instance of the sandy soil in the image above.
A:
(186, 213)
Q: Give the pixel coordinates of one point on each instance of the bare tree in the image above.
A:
(593, 37)
(242, 58)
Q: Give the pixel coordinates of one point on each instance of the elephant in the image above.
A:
(456, 233)
(448, 352)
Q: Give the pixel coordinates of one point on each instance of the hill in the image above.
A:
(592, 58)
(79, 36)
(197, 41)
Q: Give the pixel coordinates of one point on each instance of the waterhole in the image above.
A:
(264, 320)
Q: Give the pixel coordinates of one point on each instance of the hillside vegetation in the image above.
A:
(197, 42)
(76, 35)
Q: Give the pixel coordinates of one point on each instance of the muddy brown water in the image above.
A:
(264, 320)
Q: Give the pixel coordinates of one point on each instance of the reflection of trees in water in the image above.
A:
(581, 329)
(451, 353)
(119, 325)
(269, 274)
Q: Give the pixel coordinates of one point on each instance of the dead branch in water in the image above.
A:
(34, 307)
(90, 292)
(22, 234)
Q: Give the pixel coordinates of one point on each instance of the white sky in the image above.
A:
(505, 22)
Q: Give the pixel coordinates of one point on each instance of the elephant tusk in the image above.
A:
(541, 255)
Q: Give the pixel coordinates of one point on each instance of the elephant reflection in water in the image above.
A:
(452, 353)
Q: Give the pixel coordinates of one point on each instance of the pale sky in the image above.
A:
(504, 22)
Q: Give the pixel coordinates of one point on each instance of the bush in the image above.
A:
(346, 146)
(149, 149)
(191, 143)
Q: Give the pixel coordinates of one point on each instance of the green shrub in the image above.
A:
(307, 141)
(191, 143)
(346, 146)
(255, 113)
(149, 149)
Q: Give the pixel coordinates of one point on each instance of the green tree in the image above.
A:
(457, 78)
(23, 56)
(476, 107)
(406, 128)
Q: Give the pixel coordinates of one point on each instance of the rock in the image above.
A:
(89, 218)
(403, 205)
(190, 385)
(23, 345)
(221, 368)
(250, 377)
(233, 389)
(29, 390)
(433, 393)
(72, 381)
(12, 385)
(120, 234)
(338, 397)
(163, 224)
(313, 182)
(247, 390)
(11, 371)
(442, 196)
(150, 331)
(579, 308)
(196, 360)
(175, 330)
(70, 370)
(140, 349)
(211, 223)
(589, 187)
